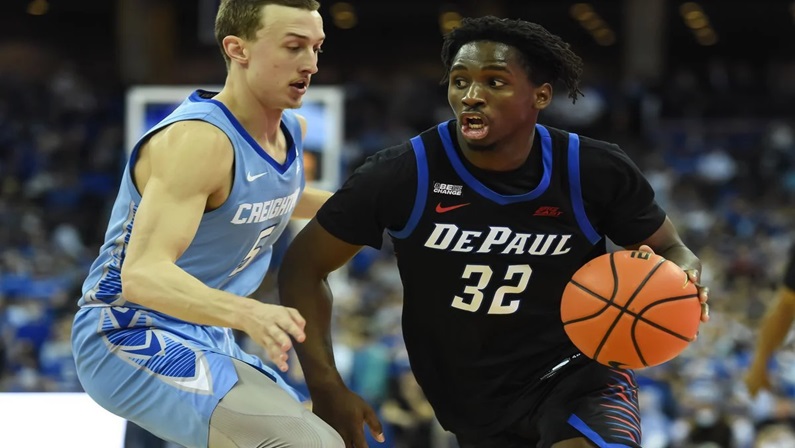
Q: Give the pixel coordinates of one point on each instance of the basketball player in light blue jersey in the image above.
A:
(204, 196)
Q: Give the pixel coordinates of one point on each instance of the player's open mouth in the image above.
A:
(299, 87)
(474, 126)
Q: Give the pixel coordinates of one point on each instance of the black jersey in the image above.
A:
(484, 257)
(789, 273)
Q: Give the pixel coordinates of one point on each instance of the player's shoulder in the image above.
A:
(593, 153)
(397, 156)
(598, 146)
(301, 121)
(600, 153)
(295, 122)
(560, 137)
(388, 168)
(191, 131)
(191, 140)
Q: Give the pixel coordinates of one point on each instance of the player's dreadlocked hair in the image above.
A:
(546, 57)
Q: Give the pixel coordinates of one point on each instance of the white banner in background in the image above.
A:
(57, 419)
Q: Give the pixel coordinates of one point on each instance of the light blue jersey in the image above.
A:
(233, 245)
(165, 374)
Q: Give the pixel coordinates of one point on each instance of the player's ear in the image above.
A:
(542, 96)
(235, 48)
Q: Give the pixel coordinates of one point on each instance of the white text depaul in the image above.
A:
(498, 240)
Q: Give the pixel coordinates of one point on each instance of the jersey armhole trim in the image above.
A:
(168, 121)
(422, 190)
(575, 188)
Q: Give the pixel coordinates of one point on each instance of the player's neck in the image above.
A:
(261, 122)
(506, 155)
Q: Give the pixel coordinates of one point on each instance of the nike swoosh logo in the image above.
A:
(251, 178)
(440, 209)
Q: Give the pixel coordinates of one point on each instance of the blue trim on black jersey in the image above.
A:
(576, 190)
(475, 184)
(291, 151)
(422, 190)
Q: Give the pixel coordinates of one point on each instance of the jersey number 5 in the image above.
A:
(254, 250)
(498, 305)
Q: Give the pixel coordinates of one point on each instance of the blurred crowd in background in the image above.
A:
(714, 134)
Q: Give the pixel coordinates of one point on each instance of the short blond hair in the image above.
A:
(243, 18)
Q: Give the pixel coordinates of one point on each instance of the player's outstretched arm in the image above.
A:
(310, 202)
(667, 243)
(311, 257)
(312, 198)
(181, 168)
(774, 328)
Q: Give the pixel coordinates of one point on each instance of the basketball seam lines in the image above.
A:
(626, 306)
(638, 316)
(666, 330)
(607, 301)
(612, 298)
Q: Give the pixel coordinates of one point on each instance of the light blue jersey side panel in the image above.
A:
(232, 247)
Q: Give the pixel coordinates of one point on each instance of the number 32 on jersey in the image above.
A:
(517, 276)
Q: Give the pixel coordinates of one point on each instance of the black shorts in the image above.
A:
(592, 401)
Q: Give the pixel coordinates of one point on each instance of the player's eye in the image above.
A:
(459, 82)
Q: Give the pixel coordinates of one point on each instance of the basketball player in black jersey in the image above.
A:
(775, 327)
(490, 214)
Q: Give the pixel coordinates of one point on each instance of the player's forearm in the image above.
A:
(682, 257)
(311, 296)
(775, 325)
(166, 288)
(310, 202)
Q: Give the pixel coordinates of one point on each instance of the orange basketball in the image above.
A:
(630, 309)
